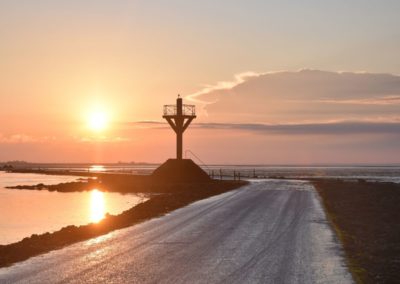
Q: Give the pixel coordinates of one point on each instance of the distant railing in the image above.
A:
(171, 110)
(220, 174)
(198, 159)
(238, 174)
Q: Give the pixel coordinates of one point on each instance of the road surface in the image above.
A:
(271, 231)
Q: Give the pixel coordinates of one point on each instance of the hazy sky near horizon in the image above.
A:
(305, 81)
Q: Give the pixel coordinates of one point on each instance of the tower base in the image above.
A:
(184, 170)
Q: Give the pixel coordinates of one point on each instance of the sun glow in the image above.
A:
(97, 206)
(97, 168)
(97, 120)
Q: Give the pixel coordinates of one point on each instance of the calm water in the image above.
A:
(371, 173)
(389, 173)
(376, 173)
(27, 212)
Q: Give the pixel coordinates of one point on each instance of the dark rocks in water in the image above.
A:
(7, 168)
(184, 171)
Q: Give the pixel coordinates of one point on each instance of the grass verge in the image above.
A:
(366, 218)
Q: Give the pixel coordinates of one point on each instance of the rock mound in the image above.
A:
(185, 170)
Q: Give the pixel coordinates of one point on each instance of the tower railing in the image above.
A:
(189, 110)
(171, 110)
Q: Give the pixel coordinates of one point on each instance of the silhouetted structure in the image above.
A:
(185, 170)
(179, 117)
(179, 170)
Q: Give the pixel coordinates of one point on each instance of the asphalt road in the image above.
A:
(267, 232)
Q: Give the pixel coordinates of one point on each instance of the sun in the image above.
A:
(97, 120)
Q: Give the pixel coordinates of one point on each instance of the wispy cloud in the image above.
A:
(24, 138)
(102, 139)
(386, 100)
(310, 129)
(222, 85)
(144, 124)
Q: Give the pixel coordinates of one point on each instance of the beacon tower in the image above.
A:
(179, 170)
(179, 117)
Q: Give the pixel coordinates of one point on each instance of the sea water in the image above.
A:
(27, 212)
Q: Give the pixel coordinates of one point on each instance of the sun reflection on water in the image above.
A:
(97, 206)
(97, 168)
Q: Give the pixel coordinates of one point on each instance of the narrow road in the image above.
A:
(270, 231)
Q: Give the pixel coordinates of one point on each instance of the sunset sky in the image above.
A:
(274, 82)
